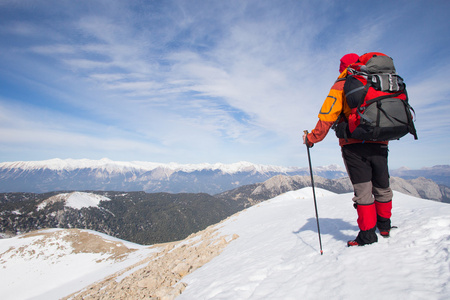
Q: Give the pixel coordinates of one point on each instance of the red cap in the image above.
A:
(347, 60)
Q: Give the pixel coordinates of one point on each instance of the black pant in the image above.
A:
(367, 167)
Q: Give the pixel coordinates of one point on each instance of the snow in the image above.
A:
(277, 253)
(78, 200)
(276, 256)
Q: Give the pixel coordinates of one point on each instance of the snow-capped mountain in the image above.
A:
(107, 175)
(120, 166)
(268, 251)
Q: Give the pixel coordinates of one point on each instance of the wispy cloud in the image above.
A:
(183, 76)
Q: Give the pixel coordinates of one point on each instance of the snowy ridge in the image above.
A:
(277, 243)
(120, 166)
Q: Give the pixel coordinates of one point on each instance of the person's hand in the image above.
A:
(305, 139)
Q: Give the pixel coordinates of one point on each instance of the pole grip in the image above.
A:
(306, 139)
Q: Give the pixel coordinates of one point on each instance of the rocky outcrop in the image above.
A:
(159, 276)
(403, 186)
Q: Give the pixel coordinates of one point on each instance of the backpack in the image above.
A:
(378, 100)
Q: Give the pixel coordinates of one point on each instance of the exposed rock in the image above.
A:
(445, 191)
(159, 276)
(427, 188)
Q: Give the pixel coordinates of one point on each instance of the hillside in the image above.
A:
(139, 217)
(268, 251)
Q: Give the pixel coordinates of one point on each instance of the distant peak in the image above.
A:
(110, 165)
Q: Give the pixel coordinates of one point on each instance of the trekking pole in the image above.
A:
(314, 193)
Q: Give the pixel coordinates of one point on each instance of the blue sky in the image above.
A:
(208, 81)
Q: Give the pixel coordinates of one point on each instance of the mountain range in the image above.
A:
(106, 175)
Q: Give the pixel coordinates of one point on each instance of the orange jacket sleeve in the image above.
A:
(331, 108)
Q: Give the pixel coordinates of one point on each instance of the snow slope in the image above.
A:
(76, 200)
(276, 256)
(50, 264)
(277, 253)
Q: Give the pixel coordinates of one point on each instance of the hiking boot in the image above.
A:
(365, 237)
(384, 226)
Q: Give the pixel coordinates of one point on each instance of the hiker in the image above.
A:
(365, 161)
